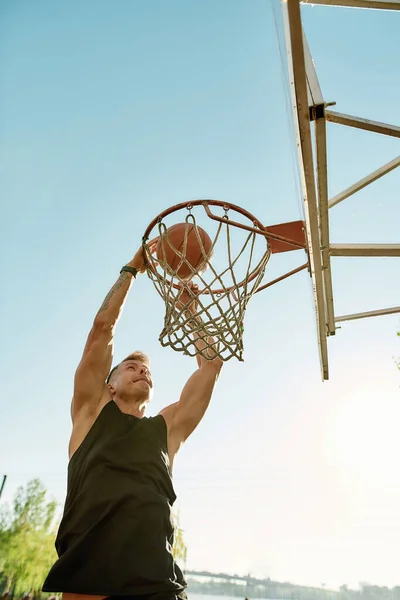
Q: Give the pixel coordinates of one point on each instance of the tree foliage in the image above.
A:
(179, 550)
(27, 534)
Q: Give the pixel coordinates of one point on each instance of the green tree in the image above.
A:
(27, 536)
(179, 549)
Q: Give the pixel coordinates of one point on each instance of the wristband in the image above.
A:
(130, 270)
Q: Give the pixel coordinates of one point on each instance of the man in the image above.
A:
(116, 534)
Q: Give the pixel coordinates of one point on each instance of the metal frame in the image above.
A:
(293, 238)
(364, 249)
(365, 124)
(371, 313)
(378, 4)
(359, 185)
(310, 117)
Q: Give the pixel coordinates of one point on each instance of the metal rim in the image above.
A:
(258, 228)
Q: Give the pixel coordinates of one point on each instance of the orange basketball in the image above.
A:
(194, 252)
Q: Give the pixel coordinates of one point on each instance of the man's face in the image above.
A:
(133, 378)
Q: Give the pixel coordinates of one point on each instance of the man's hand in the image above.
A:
(187, 298)
(187, 304)
(139, 262)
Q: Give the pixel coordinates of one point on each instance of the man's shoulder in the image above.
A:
(157, 421)
(85, 420)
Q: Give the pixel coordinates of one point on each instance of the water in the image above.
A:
(212, 597)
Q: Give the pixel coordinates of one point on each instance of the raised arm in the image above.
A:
(183, 416)
(90, 377)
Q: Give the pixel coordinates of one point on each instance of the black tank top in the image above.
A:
(116, 534)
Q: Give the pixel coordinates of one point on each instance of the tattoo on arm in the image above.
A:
(121, 279)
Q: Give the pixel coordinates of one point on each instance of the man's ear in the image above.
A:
(111, 388)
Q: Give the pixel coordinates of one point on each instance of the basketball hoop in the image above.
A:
(232, 269)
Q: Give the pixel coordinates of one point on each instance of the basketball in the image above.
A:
(196, 252)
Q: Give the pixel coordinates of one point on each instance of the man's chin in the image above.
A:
(144, 381)
(144, 391)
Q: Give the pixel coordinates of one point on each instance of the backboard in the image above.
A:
(310, 115)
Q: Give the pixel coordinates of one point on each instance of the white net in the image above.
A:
(230, 274)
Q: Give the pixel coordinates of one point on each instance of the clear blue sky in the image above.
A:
(112, 111)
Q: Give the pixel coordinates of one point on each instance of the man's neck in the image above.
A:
(131, 406)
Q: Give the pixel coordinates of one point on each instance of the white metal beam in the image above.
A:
(371, 313)
(298, 88)
(379, 4)
(315, 100)
(359, 185)
(364, 249)
(315, 97)
(322, 187)
(351, 121)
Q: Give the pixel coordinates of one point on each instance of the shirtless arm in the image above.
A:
(183, 416)
(90, 376)
(90, 388)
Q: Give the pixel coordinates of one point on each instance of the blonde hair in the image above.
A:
(137, 355)
(140, 356)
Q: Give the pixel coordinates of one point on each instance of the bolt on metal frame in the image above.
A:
(310, 116)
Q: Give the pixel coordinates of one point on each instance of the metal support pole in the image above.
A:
(322, 187)
(377, 4)
(362, 183)
(364, 250)
(371, 313)
(3, 484)
(282, 277)
(367, 124)
(315, 97)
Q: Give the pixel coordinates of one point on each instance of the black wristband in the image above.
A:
(130, 270)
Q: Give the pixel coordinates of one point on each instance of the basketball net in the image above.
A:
(223, 296)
